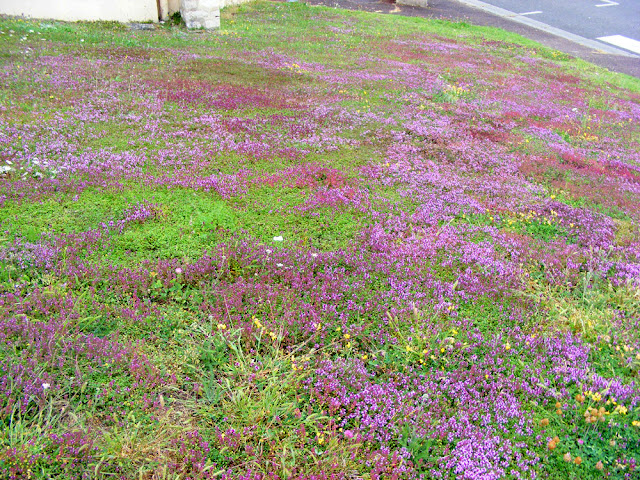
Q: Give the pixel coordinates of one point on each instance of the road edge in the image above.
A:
(515, 17)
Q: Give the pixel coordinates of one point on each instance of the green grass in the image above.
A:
(246, 365)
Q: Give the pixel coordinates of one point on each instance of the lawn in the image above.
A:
(315, 244)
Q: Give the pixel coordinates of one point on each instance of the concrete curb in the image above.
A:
(414, 3)
(586, 42)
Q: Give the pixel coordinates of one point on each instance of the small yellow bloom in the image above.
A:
(621, 409)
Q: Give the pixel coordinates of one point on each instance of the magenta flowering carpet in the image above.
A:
(315, 244)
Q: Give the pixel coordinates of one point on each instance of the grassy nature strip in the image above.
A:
(315, 244)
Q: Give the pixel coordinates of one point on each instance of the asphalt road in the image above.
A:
(588, 18)
(592, 19)
(458, 11)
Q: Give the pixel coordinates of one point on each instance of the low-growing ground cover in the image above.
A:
(315, 245)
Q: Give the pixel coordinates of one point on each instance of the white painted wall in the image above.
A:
(169, 7)
(201, 13)
(73, 10)
(174, 6)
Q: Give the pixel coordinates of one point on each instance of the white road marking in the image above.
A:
(623, 42)
(608, 3)
(586, 42)
(531, 13)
